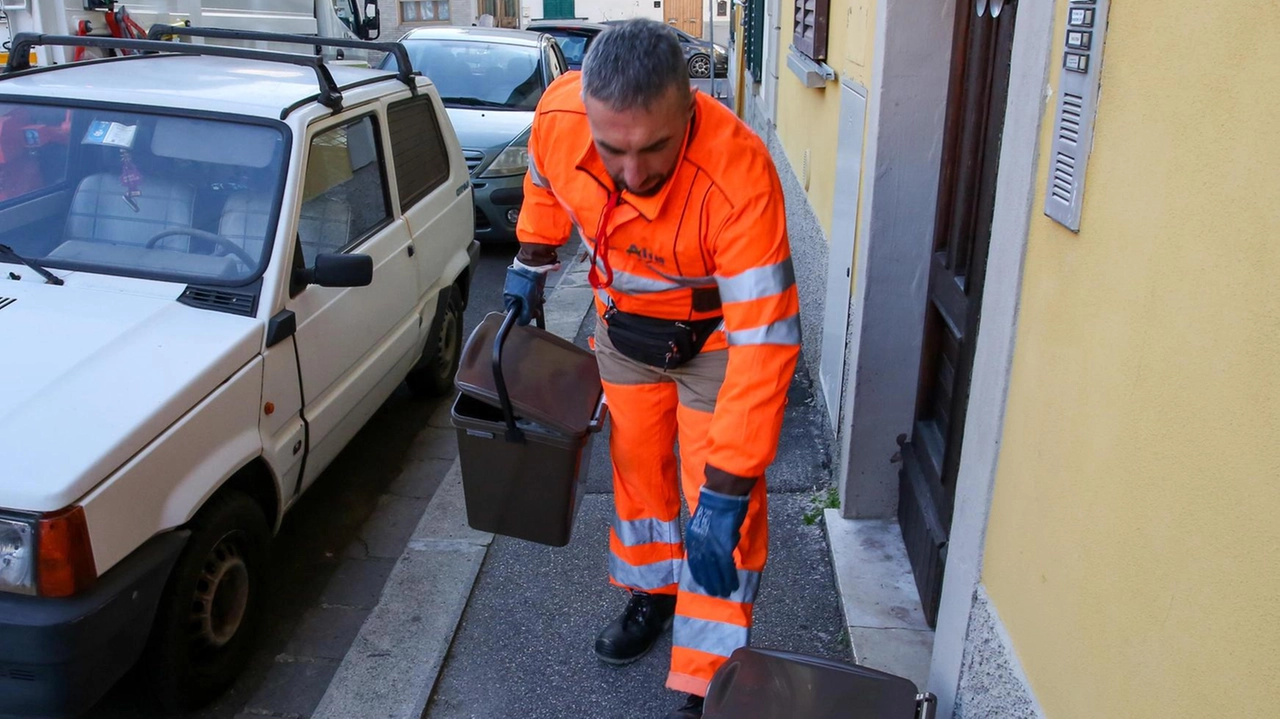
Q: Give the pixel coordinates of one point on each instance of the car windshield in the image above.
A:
(130, 193)
(479, 74)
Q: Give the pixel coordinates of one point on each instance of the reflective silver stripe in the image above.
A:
(757, 282)
(634, 284)
(634, 532)
(645, 577)
(604, 297)
(637, 285)
(686, 281)
(782, 332)
(536, 176)
(748, 585)
(719, 638)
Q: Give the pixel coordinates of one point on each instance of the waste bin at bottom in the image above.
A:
(768, 684)
(525, 419)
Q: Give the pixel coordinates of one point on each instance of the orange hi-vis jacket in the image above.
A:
(711, 243)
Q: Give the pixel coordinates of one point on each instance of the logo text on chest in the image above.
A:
(644, 254)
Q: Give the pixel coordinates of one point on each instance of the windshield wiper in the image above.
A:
(49, 277)
(470, 102)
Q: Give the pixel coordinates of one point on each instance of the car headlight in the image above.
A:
(513, 160)
(17, 556)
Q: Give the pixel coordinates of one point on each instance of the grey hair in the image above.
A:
(633, 65)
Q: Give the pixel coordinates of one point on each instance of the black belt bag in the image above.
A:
(665, 344)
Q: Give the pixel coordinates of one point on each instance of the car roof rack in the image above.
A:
(404, 73)
(20, 62)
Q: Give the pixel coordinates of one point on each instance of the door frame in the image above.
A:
(1016, 202)
(910, 71)
(974, 129)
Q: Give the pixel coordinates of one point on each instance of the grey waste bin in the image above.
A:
(768, 684)
(529, 405)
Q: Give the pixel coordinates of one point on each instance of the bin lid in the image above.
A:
(551, 381)
(773, 684)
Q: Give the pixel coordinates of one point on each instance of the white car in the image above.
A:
(216, 265)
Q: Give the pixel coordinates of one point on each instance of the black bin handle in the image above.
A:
(514, 433)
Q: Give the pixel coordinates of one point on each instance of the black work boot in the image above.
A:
(632, 635)
(692, 708)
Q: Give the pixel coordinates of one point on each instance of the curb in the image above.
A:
(392, 666)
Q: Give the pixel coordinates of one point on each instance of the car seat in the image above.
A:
(245, 219)
(99, 212)
(324, 226)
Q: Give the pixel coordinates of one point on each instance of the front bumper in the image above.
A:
(495, 197)
(59, 656)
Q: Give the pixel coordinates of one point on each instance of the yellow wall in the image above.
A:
(1133, 551)
(808, 119)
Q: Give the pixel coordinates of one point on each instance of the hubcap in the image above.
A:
(222, 595)
(700, 66)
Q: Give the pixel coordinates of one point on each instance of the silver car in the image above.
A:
(490, 80)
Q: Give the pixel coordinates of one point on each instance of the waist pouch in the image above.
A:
(665, 344)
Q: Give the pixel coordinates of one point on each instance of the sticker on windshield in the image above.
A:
(102, 132)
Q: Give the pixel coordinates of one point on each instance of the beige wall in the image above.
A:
(808, 119)
(1133, 550)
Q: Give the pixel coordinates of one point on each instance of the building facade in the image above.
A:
(1036, 255)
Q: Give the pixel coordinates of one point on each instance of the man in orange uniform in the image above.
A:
(698, 335)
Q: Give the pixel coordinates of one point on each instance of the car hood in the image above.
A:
(482, 129)
(91, 374)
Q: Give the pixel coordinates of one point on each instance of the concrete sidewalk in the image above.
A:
(470, 625)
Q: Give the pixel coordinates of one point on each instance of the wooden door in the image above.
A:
(506, 13)
(982, 48)
(686, 15)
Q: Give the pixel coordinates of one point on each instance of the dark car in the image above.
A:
(575, 36)
(490, 81)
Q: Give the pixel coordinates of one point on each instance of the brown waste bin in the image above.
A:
(770, 684)
(530, 404)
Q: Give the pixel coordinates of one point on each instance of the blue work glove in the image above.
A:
(710, 539)
(523, 292)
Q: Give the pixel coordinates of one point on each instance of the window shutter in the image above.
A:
(754, 32)
(811, 28)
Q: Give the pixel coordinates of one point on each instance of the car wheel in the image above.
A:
(434, 374)
(700, 66)
(212, 606)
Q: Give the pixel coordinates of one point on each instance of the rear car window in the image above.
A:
(418, 151)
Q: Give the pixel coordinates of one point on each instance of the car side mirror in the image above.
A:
(337, 270)
(371, 15)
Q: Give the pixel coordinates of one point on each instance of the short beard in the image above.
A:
(621, 184)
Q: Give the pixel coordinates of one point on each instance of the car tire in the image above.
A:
(434, 373)
(700, 66)
(211, 610)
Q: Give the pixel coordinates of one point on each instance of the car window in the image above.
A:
(126, 192)
(573, 46)
(344, 197)
(418, 151)
(477, 73)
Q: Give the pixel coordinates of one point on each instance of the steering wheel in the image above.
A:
(219, 240)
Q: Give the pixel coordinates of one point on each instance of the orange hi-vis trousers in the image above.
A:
(650, 409)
